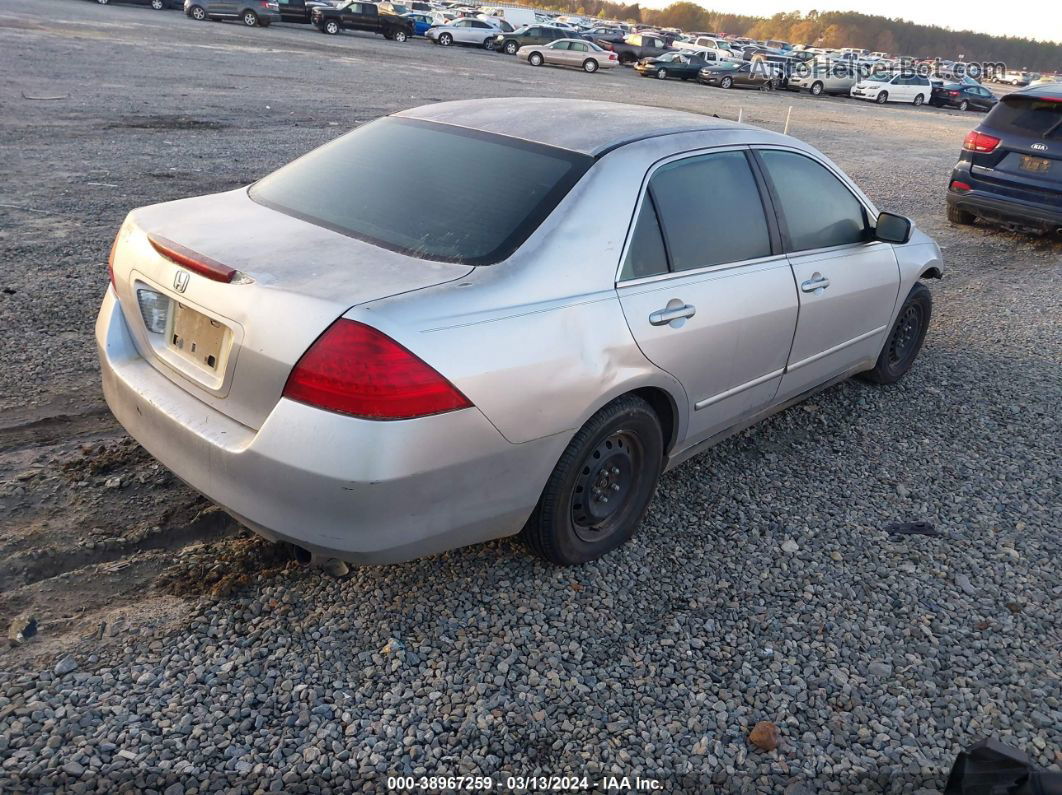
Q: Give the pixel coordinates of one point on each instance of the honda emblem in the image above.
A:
(180, 281)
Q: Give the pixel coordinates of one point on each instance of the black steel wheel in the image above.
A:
(600, 488)
(905, 338)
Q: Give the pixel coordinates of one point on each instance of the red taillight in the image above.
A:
(957, 185)
(187, 258)
(953, 93)
(612, 56)
(979, 142)
(355, 369)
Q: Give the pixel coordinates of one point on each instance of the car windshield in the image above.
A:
(366, 183)
(1027, 116)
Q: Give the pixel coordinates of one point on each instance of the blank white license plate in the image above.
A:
(197, 338)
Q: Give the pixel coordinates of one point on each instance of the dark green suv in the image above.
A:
(509, 43)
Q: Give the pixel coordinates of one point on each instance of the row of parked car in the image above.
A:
(706, 58)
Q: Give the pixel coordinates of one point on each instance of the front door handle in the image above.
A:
(816, 284)
(669, 314)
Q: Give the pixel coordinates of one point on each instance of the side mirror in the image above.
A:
(892, 228)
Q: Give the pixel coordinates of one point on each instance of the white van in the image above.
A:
(513, 15)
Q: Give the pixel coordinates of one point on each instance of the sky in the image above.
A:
(1033, 19)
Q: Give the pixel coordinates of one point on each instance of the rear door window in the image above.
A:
(818, 209)
(703, 227)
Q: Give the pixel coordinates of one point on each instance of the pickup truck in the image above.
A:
(299, 10)
(635, 47)
(354, 15)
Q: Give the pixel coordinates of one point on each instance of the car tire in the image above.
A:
(198, 13)
(535, 59)
(400, 36)
(882, 98)
(511, 47)
(600, 488)
(446, 39)
(661, 74)
(331, 27)
(817, 88)
(905, 338)
(590, 66)
(959, 216)
(726, 82)
(158, 5)
(626, 59)
(250, 19)
(103, 2)
(964, 106)
(919, 99)
(488, 43)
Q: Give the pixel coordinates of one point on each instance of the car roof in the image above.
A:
(1045, 90)
(589, 127)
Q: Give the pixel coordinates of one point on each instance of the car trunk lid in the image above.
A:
(233, 342)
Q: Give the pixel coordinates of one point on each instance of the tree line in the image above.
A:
(834, 29)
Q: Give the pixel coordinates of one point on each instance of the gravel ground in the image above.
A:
(177, 655)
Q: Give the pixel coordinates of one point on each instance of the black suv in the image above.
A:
(509, 43)
(1010, 169)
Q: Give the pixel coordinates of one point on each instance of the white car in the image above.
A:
(893, 87)
(464, 31)
(722, 49)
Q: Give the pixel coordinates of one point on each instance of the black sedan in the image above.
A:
(963, 97)
(746, 75)
(673, 64)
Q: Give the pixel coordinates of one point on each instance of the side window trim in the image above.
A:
(774, 232)
(787, 247)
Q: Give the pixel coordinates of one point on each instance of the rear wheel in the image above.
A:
(816, 88)
(919, 99)
(445, 39)
(905, 339)
(103, 2)
(964, 105)
(959, 216)
(726, 82)
(590, 65)
(197, 13)
(400, 36)
(602, 485)
(331, 27)
(882, 98)
(535, 59)
(158, 5)
(488, 43)
(511, 47)
(250, 19)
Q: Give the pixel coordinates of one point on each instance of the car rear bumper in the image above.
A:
(1040, 216)
(359, 490)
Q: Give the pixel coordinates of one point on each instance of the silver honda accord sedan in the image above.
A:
(477, 318)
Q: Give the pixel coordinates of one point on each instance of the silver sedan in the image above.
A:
(376, 353)
(581, 54)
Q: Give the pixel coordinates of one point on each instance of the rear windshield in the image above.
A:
(429, 190)
(1039, 118)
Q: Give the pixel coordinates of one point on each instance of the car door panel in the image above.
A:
(724, 328)
(846, 282)
(731, 354)
(844, 323)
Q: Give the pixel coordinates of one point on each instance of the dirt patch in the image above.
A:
(221, 567)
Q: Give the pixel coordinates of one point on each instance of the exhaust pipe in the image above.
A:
(306, 558)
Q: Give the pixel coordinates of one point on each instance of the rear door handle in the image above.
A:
(662, 317)
(816, 284)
